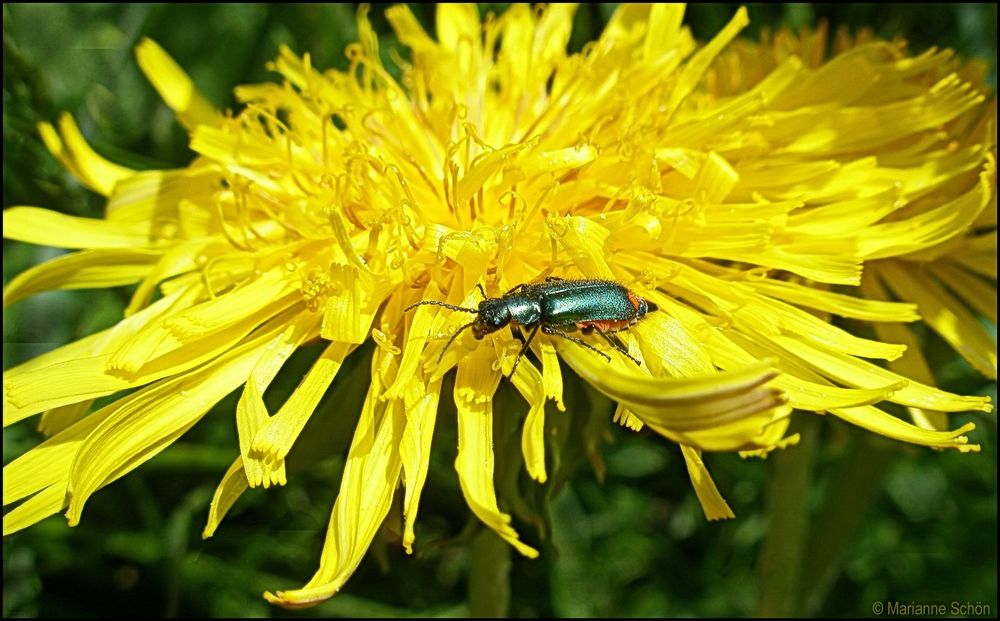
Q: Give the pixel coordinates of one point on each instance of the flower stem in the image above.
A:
(780, 559)
(489, 576)
(856, 483)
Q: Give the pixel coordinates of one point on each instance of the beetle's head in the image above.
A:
(493, 315)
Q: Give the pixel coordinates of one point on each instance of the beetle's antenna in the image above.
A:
(455, 336)
(435, 303)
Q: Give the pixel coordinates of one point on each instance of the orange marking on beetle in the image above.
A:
(634, 299)
(605, 325)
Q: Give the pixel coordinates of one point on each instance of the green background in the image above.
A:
(830, 528)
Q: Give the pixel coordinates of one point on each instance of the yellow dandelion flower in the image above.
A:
(733, 186)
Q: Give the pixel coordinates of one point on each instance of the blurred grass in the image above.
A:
(912, 525)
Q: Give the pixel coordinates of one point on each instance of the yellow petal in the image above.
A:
(977, 293)
(712, 502)
(929, 228)
(762, 312)
(751, 429)
(174, 86)
(715, 179)
(627, 418)
(180, 259)
(853, 372)
(47, 502)
(275, 439)
(837, 303)
(983, 264)
(421, 403)
(474, 387)
(669, 344)
(145, 422)
(366, 491)
(698, 393)
(664, 26)
(51, 228)
(530, 383)
(232, 486)
(28, 390)
(784, 443)
(48, 464)
(845, 217)
(583, 240)
(343, 319)
(137, 351)
(86, 269)
(151, 198)
(699, 63)
(482, 169)
(912, 364)
(944, 314)
(58, 419)
(874, 419)
(832, 128)
(72, 150)
(457, 25)
(408, 29)
(551, 376)
(251, 413)
(232, 307)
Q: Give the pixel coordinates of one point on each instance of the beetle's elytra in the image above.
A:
(557, 307)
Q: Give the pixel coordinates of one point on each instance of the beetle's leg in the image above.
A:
(556, 332)
(481, 290)
(553, 278)
(523, 349)
(617, 344)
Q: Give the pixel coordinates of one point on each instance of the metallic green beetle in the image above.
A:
(556, 307)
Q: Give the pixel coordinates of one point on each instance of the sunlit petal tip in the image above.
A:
(174, 85)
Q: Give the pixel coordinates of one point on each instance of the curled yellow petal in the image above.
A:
(668, 392)
(70, 147)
